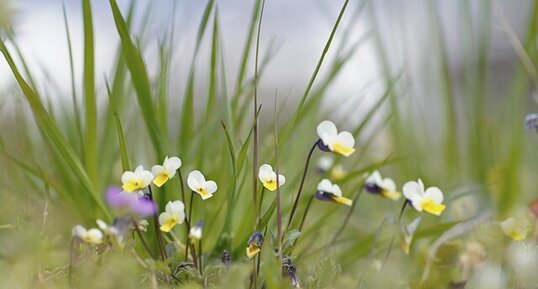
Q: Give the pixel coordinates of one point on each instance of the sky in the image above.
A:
(296, 30)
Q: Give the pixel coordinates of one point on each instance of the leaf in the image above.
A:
(290, 238)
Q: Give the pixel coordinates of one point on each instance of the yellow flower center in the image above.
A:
(169, 224)
(132, 185)
(343, 150)
(432, 207)
(270, 185)
(252, 250)
(161, 179)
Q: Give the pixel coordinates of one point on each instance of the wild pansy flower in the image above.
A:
(328, 191)
(408, 231)
(92, 236)
(325, 163)
(226, 258)
(290, 270)
(385, 187)
(515, 229)
(531, 122)
(117, 231)
(429, 200)
(197, 183)
(139, 204)
(340, 143)
(137, 180)
(196, 232)
(165, 172)
(254, 244)
(338, 172)
(173, 215)
(268, 177)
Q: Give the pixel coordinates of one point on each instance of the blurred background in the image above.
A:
(440, 87)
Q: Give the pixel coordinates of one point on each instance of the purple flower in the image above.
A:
(132, 202)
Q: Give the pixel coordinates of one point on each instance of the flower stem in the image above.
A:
(187, 220)
(156, 225)
(142, 238)
(200, 266)
(348, 217)
(296, 202)
(260, 207)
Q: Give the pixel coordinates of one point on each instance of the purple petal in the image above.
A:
(115, 197)
(142, 206)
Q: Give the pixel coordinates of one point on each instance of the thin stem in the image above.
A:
(156, 225)
(402, 210)
(200, 265)
(190, 205)
(348, 217)
(137, 230)
(296, 202)
(194, 255)
(187, 220)
(278, 194)
(306, 212)
(262, 194)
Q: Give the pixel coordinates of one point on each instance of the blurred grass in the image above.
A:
(64, 161)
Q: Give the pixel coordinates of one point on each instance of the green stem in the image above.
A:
(348, 217)
(187, 220)
(296, 202)
(200, 265)
(260, 207)
(156, 225)
(144, 244)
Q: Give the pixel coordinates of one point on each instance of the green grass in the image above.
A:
(59, 159)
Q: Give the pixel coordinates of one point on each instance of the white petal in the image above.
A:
(346, 139)
(95, 235)
(78, 231)
(173, 163)
(139, 169)
(181, 217)
(421, 186)
(127, 176)
(101, 224)
(388, 185)
(265, 172)
(435, 194)
(211, 187)
(281, 180)
(411, 191)
(374, 178)
(176, 207)
(195, 180)
(146, 177)
(163, 218)
(336, 190)
(157, 170)
(327, 131)
(325, 186)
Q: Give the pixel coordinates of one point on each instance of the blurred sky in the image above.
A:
(297, 29)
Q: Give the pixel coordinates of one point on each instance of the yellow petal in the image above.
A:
(204, 194)
(160, 180)
(167, 227)
(391, 195)
(343, 150)
(270, 185)
(130, 186)
(517, 235)
(431, 207)
(343, 201)
(252, 251)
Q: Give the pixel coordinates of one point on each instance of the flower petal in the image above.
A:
(327, 131)
(211, 187)
(265, 172)
(325, 186)
(435, 194)
(173, 163)
(195, 180)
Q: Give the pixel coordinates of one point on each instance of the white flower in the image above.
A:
(173, 215)
(328, 191)
(325, 163)
(268, 177)
(515, 229)
(137, 180)
(386, 187)
(408, 231)
(91, 236)
(167, 171)
(429, 200)
(341, 143)
(196, 232)
(198, 184)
